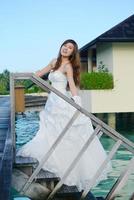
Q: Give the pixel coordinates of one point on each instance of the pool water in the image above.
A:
(27, 125)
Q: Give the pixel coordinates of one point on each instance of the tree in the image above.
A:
(6, 76)
(4, 82)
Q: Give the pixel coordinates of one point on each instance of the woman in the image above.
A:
(65, 70)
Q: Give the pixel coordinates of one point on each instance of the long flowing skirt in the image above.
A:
(53, 118)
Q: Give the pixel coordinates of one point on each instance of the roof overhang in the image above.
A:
(122, 32)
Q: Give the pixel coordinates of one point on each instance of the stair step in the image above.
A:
(4, 107)
(34, 104)
(25, 161)
(4, 120)
(1, 158)
(4, 125)
(31, 97)
(2, 146)
(3, 131)
(4, 115)
(2, 141)
(2, 137)
(66, 191)
(46, 175)
(1, 154)
(35, 100)
(4, 111)
(21, 198)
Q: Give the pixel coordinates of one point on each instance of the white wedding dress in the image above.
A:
(53, 118)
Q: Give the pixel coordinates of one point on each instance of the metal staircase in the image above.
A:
(55, 184)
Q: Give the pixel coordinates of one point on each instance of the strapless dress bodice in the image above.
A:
(58, 80)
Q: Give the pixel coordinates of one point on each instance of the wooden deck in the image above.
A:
(6, 154)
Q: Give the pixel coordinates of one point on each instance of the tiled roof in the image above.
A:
(122, 32)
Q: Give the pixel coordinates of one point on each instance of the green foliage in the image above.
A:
(34, 89)
(102, 67)
(29, 86)
(4, 82)
(96, 80)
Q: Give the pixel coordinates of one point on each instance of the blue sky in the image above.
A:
(31, 31)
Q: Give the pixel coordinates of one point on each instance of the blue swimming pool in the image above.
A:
(27, 126)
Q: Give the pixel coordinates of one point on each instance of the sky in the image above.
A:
(32, 31)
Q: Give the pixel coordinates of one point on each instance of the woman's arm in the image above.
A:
(72, 86)
(46, 69)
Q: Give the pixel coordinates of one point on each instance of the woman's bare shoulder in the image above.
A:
(68, 67)
(69, 70)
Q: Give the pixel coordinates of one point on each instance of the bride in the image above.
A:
(65, 71)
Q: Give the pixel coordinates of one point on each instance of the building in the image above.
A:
(115, 50)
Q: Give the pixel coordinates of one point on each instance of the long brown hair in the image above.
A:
(74, 60)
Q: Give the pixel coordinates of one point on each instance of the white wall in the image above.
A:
(89, 60)
(105, 54)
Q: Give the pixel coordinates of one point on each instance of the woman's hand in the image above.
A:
(77, 99)
(38, 73)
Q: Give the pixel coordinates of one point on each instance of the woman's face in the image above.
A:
(67, 49)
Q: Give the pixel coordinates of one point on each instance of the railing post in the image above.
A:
(100, 170)
(112, 120)
(19, 99)
(121, 181)
(12, 106)
(132, 196)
